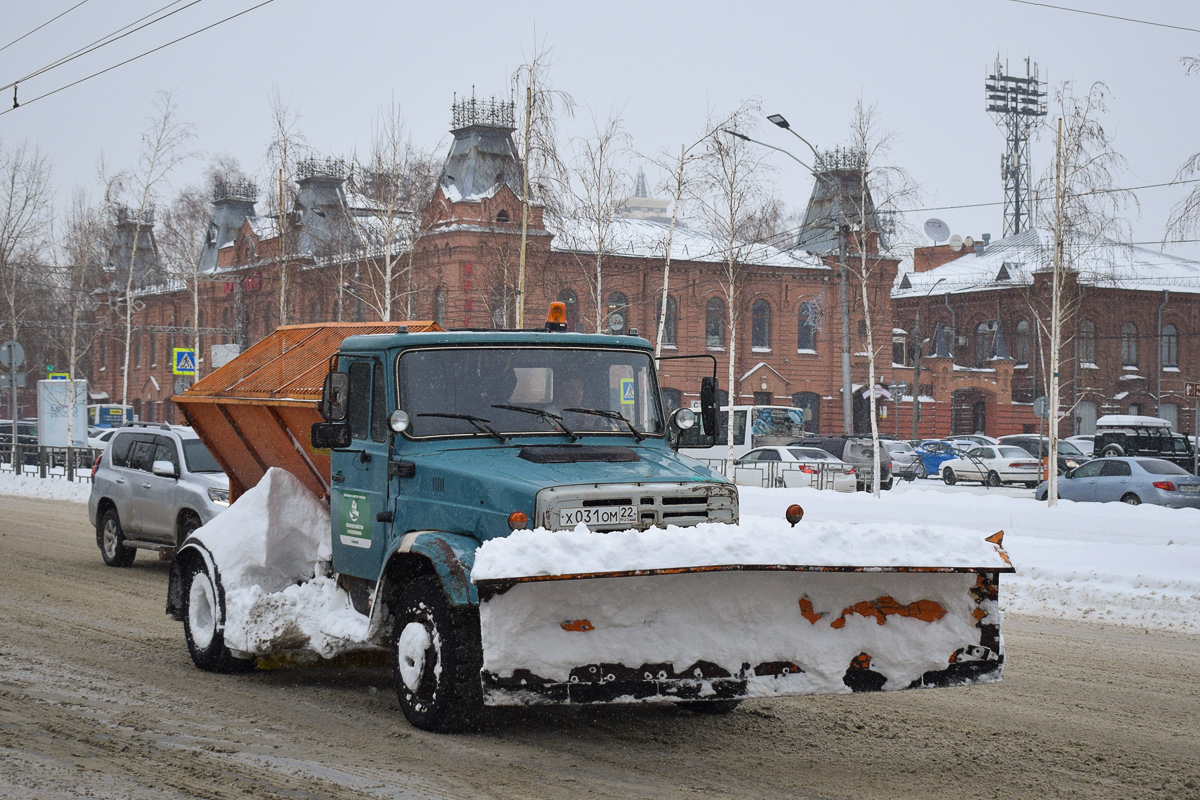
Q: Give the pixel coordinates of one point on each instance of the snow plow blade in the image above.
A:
(738, 630)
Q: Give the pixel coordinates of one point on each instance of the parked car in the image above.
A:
(904, 459)
(98, 437)
(855, 451)
(27, 441)
(1129, 480)
(1132, 435)
(794, 467)
(972, 440)
(993, 466)
(1069, 456)
(153, 485)
(1085, 444)
(931, 454)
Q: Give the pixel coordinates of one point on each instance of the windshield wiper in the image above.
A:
(609, 415)
(541, 414)
(478, 422)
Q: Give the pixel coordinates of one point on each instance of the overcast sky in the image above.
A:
(661, 66)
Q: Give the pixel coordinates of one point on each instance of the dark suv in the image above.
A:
(855, 450)
(1128, 435)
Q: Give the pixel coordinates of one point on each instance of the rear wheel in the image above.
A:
(1113, 451)
(1132, 499)
(921, 471)
(204, 623)
(112, 541)
(436, 659)
(993, 479)
(948, 476)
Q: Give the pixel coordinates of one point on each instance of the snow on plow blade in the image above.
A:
(743, 628)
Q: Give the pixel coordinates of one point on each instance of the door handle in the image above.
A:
(145, 486)
(119, 480)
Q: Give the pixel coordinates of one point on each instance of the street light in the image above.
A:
(843, 285)
(777, 119)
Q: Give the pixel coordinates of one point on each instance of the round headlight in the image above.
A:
(398, 421)
(685, 418)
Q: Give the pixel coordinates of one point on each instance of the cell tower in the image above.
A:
(1018, 104)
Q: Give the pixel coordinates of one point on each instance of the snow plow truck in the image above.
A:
(505, 512)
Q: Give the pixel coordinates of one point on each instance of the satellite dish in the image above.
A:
(956, 243)
(969, 242)
(937, 230)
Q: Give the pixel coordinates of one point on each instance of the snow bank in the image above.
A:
(30, 485)
(757, 540)
(272, 548)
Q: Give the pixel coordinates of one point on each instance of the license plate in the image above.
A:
(597, 515)
(1189, 489)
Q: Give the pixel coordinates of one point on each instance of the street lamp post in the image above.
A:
(843, 231)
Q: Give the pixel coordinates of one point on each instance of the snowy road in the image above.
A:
(98, 698)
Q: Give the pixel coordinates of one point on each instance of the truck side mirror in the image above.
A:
(334, 396)
(330, 435)
(709, 389)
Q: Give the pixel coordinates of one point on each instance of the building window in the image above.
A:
(899, 348)
(1169, 346)
(153, 348)
(1129, 344)
(1086, 343)
(983, 334)
(1021, 343)
(502, 216)
(668, 334)
(760, 328)
(806, 328)
(1135, 409)
(1169, 412)
(439, 307)
(714, 323)
(137, 349)
(571, 300)
(616, 319)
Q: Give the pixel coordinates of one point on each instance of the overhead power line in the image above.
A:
(1108, 16)
(44, 24)
(140, 55)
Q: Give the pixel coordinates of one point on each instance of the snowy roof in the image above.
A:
(644, 238)
(263, 227)
(1013, 260)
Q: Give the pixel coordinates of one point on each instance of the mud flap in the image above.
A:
(737, 631)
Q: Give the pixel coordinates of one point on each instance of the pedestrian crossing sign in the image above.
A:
(183, 361)
(627, 391)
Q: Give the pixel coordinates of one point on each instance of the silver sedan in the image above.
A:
(1129, 480)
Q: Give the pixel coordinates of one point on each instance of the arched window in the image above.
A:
(571, 300)
(502, 216)
(137, 349)
(806, 328)
(1086, 343)
(1021, 343)
(1169, 346)
(153, 348)
(616, 319)
(439, 307)
(714, 323)
(983, 333)
(760, 328)
(668, 334)
(1129, 344)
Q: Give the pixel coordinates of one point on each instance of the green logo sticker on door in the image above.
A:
(355, 522)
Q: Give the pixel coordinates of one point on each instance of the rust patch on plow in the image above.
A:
(577, 626)
(886, 606)
(807, 611)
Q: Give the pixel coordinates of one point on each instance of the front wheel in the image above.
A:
(112, 541)
(1113, 451)
(204, 623)
(437, 656)
(948, 476)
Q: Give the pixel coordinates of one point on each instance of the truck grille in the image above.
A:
(656, 504)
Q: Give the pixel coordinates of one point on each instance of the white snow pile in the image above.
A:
(272, 547)
(756, 541)
(30, 485)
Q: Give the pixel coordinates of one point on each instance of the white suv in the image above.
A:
(153, 485)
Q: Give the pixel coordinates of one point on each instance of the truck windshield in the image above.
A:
(473, 381)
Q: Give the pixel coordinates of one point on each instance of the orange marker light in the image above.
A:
(794, 514)
(556, 319)
(518, 520)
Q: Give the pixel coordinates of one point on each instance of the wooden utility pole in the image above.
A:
(524, 205)
(282, 257)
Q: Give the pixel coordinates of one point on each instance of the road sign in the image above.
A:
(12, 355)
(627, 393)
(1192, 389)
(1041, 407)
(59, 376)
(183, 361)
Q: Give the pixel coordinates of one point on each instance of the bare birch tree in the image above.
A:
(183, 228)
(729, 205)
(287, 148)
(1184, 220)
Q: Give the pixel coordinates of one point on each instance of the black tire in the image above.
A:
(948, 476)
(1031, 484)
(713, 707)
(112, 541)
(1113, 451)
(189, 524)
(204, 623)
(921, 471)
(888, 484)
(993, 479)
(437, 656)
(1132, 499)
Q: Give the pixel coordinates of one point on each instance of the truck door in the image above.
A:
(360, 475)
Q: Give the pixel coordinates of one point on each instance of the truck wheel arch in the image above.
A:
(449, 556)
